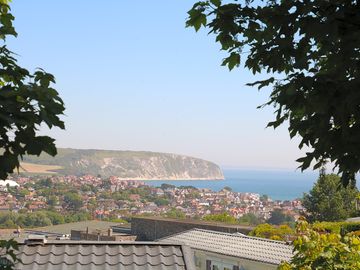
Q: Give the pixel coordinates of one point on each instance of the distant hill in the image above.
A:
(128, 164)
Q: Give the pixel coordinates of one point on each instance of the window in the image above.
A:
(221, 265)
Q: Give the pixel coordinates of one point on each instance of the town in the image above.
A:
(76, 198)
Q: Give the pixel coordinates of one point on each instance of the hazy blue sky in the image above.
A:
(134, 78)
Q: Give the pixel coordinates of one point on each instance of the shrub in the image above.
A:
(330, 251)
(350, 227)
(282, 232)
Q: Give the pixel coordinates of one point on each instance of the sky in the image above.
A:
(134, 78)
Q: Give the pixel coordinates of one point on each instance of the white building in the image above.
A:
(11, 183)
(225, 251)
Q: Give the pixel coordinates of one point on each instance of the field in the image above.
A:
(38, 168)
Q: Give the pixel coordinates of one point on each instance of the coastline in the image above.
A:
(170, 179)
(278, 185)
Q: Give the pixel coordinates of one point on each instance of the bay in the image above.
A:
(278, 185)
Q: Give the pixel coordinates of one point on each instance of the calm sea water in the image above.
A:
(279, 185)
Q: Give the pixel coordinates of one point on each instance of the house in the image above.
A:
(215, 250)
(134, 197)
(159, 192)
(99, 255)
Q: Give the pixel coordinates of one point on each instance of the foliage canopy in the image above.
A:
(73, 200)
(312, 50)
(175, 213)
(27, 101)
(223, 217)
(279, 217)
(9, 248)
(331, 251)
(329, 201)
(282, 232)
(250, 218)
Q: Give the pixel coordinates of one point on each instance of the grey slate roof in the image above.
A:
(235, 245)
(86, 255)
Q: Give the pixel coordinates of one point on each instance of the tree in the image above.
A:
(27, 101)
(250, 218)
(106, 184)
(8, 250)
(264, 198)
(330, 251)
(227, 188)
(24, 192)
(223, 217)
(73, 200)
(9, 224)
(329, 201)
(175, 213)
(76, 217)
(167, 186)
(87, 188)
(187, 187)
(161, 201)
(279, 217)
(312, 50)
(41, 219)
(47, 183)
(52, 200)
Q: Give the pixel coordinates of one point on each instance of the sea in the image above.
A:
(277, 184)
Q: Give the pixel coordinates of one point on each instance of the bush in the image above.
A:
(350, 227)
(119, 220)
(282, 232)
(250, 219)
(161, 201)
(279, 217)
(330, 251)
(336, 227)
(327, 227)
(223, 217)
(175, 213)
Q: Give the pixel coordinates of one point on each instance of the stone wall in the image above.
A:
(150, 229)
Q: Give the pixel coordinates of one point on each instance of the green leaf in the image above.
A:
(196, 19)
(315, 60)
(232, 61)
(216, 3)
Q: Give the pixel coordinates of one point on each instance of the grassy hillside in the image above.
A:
(129, 164)
(38, 168)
